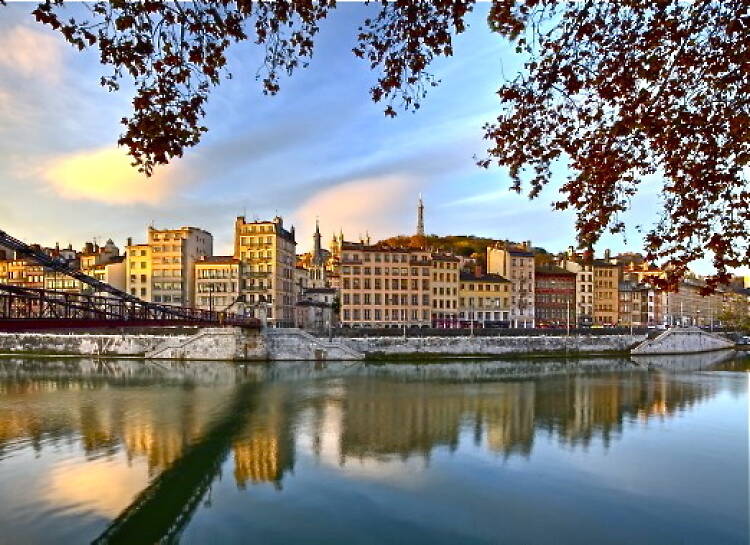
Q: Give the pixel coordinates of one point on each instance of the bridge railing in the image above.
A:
(18, 303)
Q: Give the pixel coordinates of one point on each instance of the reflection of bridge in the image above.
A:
(30, 308)
(161, 511)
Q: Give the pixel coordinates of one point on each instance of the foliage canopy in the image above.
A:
(621, 91)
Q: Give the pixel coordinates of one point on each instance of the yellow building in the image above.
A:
(217, 283)
(484, 298)
(163, 269)
(606, 292)
(515, 263)
(445, 285)
(267, 253)
(383, 286)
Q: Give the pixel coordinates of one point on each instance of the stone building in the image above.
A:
(316, 309)
(515, 263)
(484, 299)
(383, 286)
(267, 252)
(555, 296)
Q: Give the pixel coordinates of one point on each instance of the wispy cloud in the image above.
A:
(32, 54)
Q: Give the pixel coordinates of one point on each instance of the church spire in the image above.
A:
(420, 217)
(317, 248)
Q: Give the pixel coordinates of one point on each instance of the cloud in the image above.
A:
(380, 205)
(105, 175)
(31, 53)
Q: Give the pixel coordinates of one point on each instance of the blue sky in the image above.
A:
(318, 148)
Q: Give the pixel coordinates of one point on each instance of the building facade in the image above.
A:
(555, 297)
(268, 254)
(217, 283)
(606, 293)
(444, 272)
(584, 271)
(384, 287)
(163, 269)
(484, 300)
(515, 263)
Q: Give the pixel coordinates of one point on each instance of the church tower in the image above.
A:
(420, 217)
(317, 248)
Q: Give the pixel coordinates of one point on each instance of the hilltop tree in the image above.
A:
(620, 91)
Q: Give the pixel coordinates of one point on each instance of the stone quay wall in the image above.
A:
(293, 344)
(419, 347)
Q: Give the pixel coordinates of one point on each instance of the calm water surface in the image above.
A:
(468, 453)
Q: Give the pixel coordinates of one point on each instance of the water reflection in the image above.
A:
(184, 421)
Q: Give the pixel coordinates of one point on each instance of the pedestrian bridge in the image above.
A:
(24, 309)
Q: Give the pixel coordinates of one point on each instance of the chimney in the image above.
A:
(130, 241)
(606, 254)
(478, 270)
(527, 245)
(571, 251)
(89, 248)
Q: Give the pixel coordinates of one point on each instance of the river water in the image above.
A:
(550, 452)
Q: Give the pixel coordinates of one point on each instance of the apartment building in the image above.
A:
(515, 263)
(584, 271)
(484, 299)
(138, 265)
(444, 272)
(385, 287)
(555, 296)
(22, 272)
(217, 283)
(268, 254)
(607, 278)
(163, 269)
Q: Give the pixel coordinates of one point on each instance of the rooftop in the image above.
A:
(488, 277)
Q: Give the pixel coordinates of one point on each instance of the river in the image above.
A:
(490, 452)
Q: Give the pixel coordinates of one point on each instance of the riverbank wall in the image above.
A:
(235, 344)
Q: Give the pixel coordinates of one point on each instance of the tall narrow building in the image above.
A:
(420, 217)
(267, 252)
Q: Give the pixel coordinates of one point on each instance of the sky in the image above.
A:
(320, 148)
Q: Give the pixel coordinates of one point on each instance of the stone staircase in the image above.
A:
(682, 340)
(295, 344)
(219, 343)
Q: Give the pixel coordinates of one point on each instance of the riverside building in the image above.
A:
(384, 287)
(163, 269)
(267, 253)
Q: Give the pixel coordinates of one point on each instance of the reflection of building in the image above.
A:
(265, 450)
(509, 418)
(259, 459)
